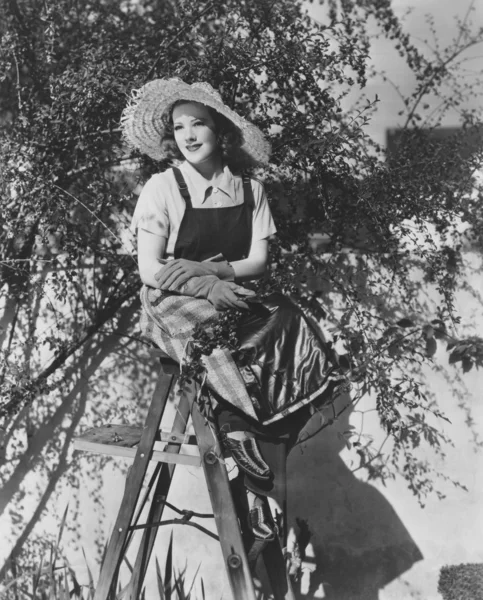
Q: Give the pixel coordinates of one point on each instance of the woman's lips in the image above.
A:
(193, 147)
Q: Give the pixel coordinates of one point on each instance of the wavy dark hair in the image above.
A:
(228, 136)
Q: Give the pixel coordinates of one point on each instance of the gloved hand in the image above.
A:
(177, 272)
(222, 294)
(226, 294)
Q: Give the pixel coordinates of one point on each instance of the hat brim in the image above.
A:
(142, 123)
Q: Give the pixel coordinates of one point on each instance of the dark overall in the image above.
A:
(288, 358)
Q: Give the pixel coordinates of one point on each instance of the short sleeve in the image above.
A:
(263, 224)
(151, 212)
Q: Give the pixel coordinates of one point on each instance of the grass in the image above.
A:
(53, 579)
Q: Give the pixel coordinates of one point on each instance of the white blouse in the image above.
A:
(160, 207)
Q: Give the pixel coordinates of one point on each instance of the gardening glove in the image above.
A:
(227, 294)
(222, 294)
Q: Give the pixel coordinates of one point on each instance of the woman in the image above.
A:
(203, 228)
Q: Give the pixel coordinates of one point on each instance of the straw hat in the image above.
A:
(143, 128)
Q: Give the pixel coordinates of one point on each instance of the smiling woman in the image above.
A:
(227, 136)
(195, 133)
(204, 208)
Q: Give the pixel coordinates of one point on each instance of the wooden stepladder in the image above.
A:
(119, 441)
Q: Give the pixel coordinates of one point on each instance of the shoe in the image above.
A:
(247, 456)
(261, 527)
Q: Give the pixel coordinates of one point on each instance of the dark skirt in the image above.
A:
(284, 360)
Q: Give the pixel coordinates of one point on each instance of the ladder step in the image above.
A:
(116, 450)
(130, 435)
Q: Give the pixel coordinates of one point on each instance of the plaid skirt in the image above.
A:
(282, 363)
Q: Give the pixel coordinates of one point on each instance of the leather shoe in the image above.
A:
(247, 456)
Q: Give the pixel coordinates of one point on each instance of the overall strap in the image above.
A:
(247, 191)
(183, 188)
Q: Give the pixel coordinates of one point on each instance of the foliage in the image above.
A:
(461, 582)
(69, 282)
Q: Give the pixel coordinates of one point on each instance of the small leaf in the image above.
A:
(362, 456)
(344, 362)
(405, 323)
(431, 346)
(439, 329)
(390, 331)
(453, 357)
(467, 364)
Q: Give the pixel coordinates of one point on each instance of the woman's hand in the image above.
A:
(226, 294)
(177, 272)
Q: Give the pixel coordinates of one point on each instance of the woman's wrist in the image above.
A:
(223, 270)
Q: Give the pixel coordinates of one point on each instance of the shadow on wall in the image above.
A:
(358, 544)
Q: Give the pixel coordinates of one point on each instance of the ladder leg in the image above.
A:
(157, 506)
(115, 549)
(272, 555)
(236, 562)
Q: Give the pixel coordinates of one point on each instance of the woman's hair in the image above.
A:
(228, 136)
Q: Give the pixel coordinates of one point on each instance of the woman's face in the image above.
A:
(194, 132)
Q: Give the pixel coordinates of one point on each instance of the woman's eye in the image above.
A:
(177, 127)
(198, 123)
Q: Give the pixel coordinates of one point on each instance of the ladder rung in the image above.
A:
(157, 455)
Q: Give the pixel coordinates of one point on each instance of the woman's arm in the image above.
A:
(255, 265)
(222, 294)
(150, 252)
(177, 272)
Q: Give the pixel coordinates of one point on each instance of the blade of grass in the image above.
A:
(104, 552)
(159, 580)
(168, 570)
(76, 590)
(65, 587)
(179, 585)
(89, 573)
(193, 582)
(37, 575)
(50, 570)
(53, 555)
(59, 535)
(202, 589)
(53, 586)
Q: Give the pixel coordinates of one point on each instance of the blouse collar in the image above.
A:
(198, 186)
